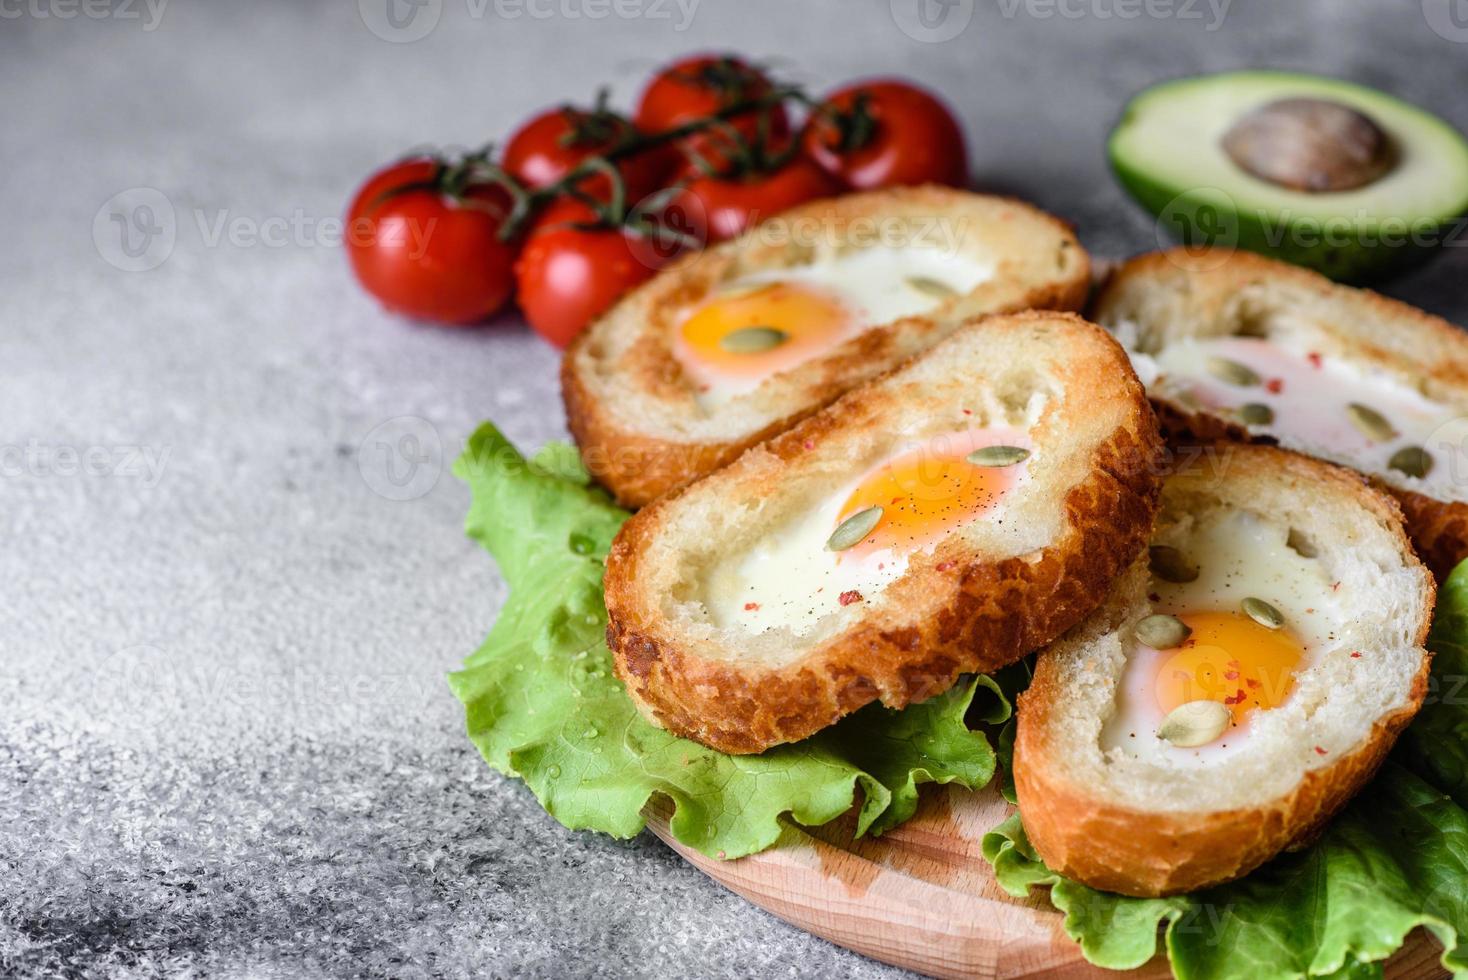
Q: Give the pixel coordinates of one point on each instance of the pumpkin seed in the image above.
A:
(1412, 460)
(998, 456)
(1232, 371)
(932, 287)
(1162, 632)
(1193, 724)
(753, 340)
(1170, 564)
(854, 529)
(1263, 613)
(1373, 424)
(1256, 413)
(1301, 545)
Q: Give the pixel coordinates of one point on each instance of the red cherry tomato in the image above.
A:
(701, 86)
(889, 133)
(567, 276)
(725, 208)
(424, 254)
(552, 144)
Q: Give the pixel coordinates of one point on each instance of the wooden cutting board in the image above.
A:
(923, 897)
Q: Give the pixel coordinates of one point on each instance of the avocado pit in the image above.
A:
(1310, 145)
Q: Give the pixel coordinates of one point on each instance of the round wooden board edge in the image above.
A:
(909, 922)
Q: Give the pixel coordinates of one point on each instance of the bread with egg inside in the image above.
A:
(1118, 821)
(986, 593)
(1161, 297)
(633, 407)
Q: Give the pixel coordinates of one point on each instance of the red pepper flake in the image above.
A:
(968, 411)
(751, 606)
(850, 596)
(1231, 675)
(1251, 682)
(1314, 359)
(1274, 385)
(809, 444)
(1237, 698)
(896, 501)
(1319, 751)
(1335, 586)
(1309, 610)
(943, 566)
(1355, 654)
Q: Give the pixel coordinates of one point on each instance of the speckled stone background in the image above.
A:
(232, 575)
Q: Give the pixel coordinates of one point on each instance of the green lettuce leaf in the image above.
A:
(1395, 859)
(543, 704)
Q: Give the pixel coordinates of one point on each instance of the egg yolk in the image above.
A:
(802, 319)
(1231, 659)
(923, 495)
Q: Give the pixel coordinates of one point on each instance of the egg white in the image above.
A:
(1309, 393)
(789, 580)
(873, 283)
(1238, 555)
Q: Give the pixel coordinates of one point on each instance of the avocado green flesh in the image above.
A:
(1167, 152)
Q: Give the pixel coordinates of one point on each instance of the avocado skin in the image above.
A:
(1356, 262)
(1194, 219)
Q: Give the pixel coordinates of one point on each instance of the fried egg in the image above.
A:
(768, 322)
(911, 500)
(1236, 654)
(1315, 401)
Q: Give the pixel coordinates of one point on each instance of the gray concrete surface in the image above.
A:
(226, 746)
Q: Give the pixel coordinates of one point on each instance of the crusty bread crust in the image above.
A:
(952, 612)
(1154, 854)
(620, 372)
(1439, 529)
(1205, 283)
(1095, 840)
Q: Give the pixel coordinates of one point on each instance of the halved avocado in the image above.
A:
(1224, 159)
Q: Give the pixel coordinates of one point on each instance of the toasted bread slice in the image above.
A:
(654, 404)
(737, 617)
(1316, 349)
(1109, 801)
